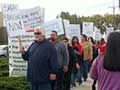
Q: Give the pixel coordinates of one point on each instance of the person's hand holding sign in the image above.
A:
(21, 48)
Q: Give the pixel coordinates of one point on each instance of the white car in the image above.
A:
(3, 50)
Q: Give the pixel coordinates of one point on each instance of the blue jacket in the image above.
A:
(42, 60)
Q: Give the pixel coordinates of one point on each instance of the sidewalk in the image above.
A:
(84, 86)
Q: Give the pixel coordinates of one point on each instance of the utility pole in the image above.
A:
(114, 8)
(119, 4)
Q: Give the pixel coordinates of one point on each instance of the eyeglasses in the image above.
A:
(37, 33)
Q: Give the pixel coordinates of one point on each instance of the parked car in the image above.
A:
(3, 50)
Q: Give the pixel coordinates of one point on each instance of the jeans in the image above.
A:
(74, 78)
(80, 74)
(38, 86)
(86, 64)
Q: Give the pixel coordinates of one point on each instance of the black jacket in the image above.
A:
(73, 58)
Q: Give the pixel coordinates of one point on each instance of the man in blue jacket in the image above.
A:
(42, 62)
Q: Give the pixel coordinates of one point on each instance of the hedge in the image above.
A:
(13, 83)
(10, 83)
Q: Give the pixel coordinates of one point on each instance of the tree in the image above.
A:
(100, 21)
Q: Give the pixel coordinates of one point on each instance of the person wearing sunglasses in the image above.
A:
(42, 61)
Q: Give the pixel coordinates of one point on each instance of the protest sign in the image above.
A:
(66, 27)
(88, 28)
(109, 30)
(8, 8)
(54, 25)
(21, 23)
(73, 30)
(98, 35)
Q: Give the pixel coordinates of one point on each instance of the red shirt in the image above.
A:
(80, 48)
(102, 48)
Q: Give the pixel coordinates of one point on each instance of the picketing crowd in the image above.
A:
(55, 64)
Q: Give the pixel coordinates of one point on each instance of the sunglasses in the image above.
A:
(37, 33)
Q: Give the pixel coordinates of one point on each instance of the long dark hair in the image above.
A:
(85, 37)
(75, 37)
(102, 41)
(112, 55)
(92, 40)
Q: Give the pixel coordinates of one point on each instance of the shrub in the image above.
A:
(13, 83)
(10, 83)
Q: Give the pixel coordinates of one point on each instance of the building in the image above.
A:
(3, 32)
(1, 19)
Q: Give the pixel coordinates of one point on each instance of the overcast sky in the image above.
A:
(79, 7)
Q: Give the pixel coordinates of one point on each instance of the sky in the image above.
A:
(79, 7)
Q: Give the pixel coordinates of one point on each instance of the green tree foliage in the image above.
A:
(100, 21)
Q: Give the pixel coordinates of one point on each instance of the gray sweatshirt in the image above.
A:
(63, 54)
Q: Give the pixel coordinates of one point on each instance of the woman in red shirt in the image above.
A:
(102, 46)
(77, 74)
